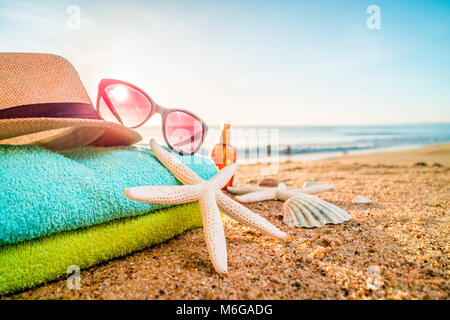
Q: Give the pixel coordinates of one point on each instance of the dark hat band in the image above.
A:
(51, 110)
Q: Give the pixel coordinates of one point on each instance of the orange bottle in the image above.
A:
(223, 154)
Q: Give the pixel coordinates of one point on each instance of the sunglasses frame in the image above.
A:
(156, 108)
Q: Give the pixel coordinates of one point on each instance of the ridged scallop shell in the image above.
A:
(309, 211)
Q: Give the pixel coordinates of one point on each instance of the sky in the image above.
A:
(254, 62)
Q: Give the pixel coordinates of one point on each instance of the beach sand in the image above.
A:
(395, 248)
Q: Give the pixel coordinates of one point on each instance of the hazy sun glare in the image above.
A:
(254, 62)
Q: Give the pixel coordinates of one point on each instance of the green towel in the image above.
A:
(43, 192)
(25, 264)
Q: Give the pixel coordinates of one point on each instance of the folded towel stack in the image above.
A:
(63, 209)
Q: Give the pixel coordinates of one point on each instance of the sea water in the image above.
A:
(256, 144)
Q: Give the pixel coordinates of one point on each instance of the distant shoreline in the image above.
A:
(307, 143)
(437, 154)
(347, 153)
(305, 157)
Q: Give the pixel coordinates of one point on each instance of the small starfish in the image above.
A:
(254, 194)
(210, 196)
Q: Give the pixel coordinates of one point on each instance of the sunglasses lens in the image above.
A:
(184, 132)
(130, 105)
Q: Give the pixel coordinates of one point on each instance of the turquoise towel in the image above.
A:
(42, 192)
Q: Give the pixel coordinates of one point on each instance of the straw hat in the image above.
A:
(43, 102)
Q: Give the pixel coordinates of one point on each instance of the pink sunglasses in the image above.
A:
(122, 102)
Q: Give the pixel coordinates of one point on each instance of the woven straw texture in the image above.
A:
(24, 82)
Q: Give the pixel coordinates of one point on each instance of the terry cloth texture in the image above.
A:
(28, 263)
(43, 192)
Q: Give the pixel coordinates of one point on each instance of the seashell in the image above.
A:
(269, 182)
(309, 211)
(362, 200)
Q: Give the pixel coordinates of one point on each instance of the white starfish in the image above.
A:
(254, 194)
(210, 196)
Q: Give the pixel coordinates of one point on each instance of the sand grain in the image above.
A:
(395, 248)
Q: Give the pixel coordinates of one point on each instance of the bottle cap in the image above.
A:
(226, 133)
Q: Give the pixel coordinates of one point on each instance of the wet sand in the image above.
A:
(395, 248)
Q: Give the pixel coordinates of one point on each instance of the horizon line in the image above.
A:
(319, 125)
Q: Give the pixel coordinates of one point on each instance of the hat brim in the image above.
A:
(66, 133)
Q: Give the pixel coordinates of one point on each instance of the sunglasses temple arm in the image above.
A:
(111, 107)
(191, 139)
